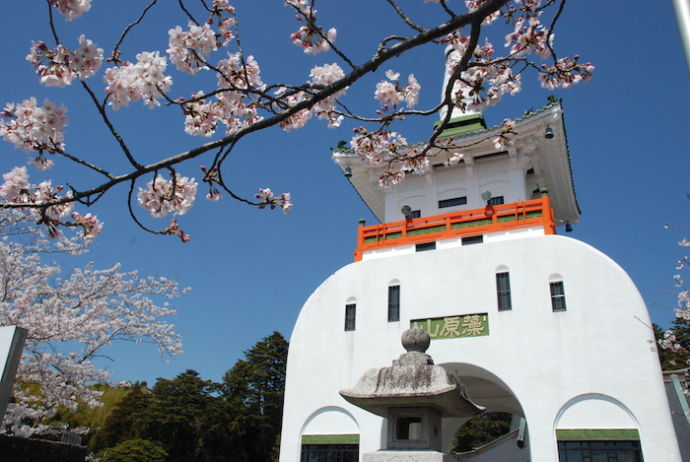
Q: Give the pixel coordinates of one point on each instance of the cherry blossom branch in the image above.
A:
(51, 22)
(406, 19)
(186, 11)
(323, 92)
(116, 49)
(106, 120)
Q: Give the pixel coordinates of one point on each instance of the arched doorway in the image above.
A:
(486, 389)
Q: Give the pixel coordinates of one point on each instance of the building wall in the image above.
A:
(469, 179)
(598, 353)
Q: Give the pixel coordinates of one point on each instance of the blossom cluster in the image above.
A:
(32, 127)
(481, 85)
(390, 94)
(71, 8)
(267, 199)
(57, 67)
(565, 73)
(310, 36)
(233, 106)
(143, 80)
(162, 196)
(87, 310)
(187, 49)
(16, 188)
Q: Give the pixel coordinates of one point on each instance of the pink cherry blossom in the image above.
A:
(187, 48)
(32, 127)
(71, 8)
(267, 199)
(412, 91)
(144, 80)
(161, 197)
(59, 66)
(70, 319)
(16, 186)
(388, 94)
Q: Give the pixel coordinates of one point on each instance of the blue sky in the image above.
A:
(251, 270)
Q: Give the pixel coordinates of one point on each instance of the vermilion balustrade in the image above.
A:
(490, 219)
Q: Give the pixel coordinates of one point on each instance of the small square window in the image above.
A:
(415, 214)
(498, 200)
(350, 314)
(557, 296)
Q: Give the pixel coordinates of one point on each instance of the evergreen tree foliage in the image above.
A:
(237, 420)
(136, 450)
(255, 387)
(481, 430)
(124, 422)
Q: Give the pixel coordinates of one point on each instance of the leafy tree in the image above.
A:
(70, 319)
(125, 420)
(481, 430)
(235, 102)
(136, 450)
(255, 388)
(182, 415)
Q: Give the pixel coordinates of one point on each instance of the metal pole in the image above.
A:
(682, 9)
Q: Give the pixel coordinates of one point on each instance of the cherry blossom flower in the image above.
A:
(565, 73)
(175, 230)
(91, 225)
(504, 137)
(269, 200)
(323, 76)
(71, 8)
(412, 91)
(388, 94)
(454, 159)
(201, 117)
(16, 185)
(311, 40)
(160, 197)
(144, 80)
(32, 127)
(298, 119)
(188, 48)
(59, 66)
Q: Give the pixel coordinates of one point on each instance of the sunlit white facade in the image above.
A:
(534, 323)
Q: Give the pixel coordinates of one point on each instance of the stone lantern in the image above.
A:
(413, 395)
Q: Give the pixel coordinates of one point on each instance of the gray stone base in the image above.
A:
(406, 456)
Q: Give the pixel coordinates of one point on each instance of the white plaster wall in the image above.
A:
(330, 421)
(601, 345)
(595, 412)
(502, 175)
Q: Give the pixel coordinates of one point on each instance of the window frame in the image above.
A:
(394, 303)
(350, 317)
(503, 297)
(557, 291)
(452, 202)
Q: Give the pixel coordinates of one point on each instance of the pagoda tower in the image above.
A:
(533, 322)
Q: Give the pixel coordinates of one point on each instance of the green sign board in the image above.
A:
(462, 325)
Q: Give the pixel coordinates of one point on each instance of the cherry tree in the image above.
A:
(70, 320)
(239, 103)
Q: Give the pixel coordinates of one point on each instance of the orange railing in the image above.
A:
(490, 219)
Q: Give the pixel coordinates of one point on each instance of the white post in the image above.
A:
(11, 345)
